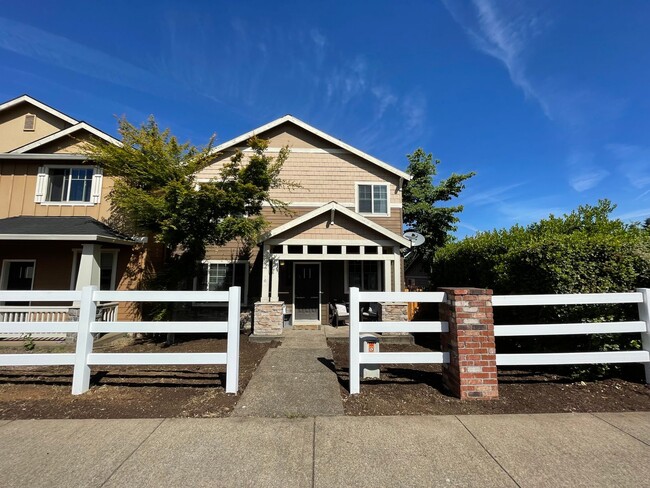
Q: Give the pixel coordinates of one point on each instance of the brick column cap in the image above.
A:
(464, 290)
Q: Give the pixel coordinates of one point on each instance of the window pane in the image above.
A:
(365, 198)
(355, 274)
(218, 277)
(57, 187)
(80, 185)
(380, 199)
(370, 276)
(240, 276)
(106, 271)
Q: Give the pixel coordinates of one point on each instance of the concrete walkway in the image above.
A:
(600, 450)
(293, 380)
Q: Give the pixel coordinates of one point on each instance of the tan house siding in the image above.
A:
(12, 123)
(18, 189)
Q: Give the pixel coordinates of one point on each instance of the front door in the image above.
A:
(306, 292)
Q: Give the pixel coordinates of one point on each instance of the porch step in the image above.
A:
(295, 380)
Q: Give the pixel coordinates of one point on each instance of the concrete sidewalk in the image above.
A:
(498, 450)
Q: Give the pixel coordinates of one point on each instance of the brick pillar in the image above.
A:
(472, 369)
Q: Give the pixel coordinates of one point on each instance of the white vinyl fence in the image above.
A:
(640, 297)
(83, 358)
(356, 327)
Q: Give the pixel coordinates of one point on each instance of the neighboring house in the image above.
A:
(52, 206)
(345, 229)
(415, 272)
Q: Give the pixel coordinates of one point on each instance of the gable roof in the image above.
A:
(337, 142)
(65, 132)
(333, 206)
(41, 105)
(60, 229)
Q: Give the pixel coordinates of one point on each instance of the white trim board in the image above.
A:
(338, 143)
(63, 133)
(333, 206)
(41, 105)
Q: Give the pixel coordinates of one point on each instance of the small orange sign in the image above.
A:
(371, 347)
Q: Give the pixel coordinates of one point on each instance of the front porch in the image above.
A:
(311, 263)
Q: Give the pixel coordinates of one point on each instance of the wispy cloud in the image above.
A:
(633, 162)
(505, 37)
(584, 172)
(493, 195)
(635, 215)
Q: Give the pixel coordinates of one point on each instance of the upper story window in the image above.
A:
(69, 185)
(372, 198)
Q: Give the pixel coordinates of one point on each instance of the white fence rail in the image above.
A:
(88, 324)
(358, 358)
(640, 297)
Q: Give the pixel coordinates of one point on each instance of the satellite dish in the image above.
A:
(415, 238)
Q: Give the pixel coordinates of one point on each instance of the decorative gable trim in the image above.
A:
(41, 105)
(66, 132)
(338, 143)
(335, 207)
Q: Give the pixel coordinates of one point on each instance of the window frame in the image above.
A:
(380, 274)
(372, 185)
(43, 184)
(244, 292)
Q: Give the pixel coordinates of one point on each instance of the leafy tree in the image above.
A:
(421, 198)
(156, 193)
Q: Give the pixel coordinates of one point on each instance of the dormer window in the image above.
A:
(372, 198)
(30, 123)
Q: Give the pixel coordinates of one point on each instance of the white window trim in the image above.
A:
(75, 269)
(4, 274)
(372, 185)
(346, 274)
(244, 294)
(43, 180)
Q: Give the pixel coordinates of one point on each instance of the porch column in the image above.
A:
(387, 272)
(89, 266)
(266, 269)
(275, 279)
(398, 269)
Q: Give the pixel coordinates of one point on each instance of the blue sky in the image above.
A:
(547, 101)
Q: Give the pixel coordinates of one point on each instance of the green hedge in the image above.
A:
(585, 251)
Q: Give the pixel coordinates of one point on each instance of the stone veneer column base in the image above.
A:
(472, 370)
(267, 319)
(394, 312)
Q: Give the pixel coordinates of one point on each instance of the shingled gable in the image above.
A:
(335, 207)
(299, 123)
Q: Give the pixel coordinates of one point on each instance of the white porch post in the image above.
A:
(398, 269)
(89, 266)
(387, 271)
(275, 279)
(266, 269)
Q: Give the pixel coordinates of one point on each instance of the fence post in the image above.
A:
(232, 353)
(87, 312)
(644, 314)
(354, 341)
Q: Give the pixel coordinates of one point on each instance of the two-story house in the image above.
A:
(53, 204)
(345, 230)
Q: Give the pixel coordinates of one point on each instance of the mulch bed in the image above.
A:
(127, 391)
(417, 390)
